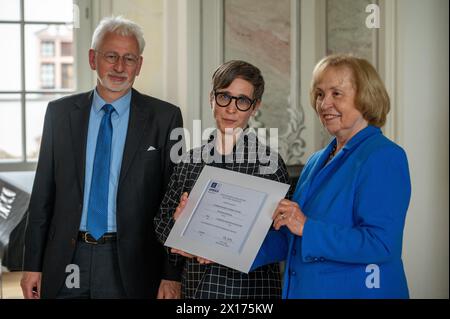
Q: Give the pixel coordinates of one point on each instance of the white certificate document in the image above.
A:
(227, 217)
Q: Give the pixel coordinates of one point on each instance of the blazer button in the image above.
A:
(321, 259)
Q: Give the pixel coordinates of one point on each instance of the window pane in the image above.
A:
(10, 10)
(66, 48)
(10, 128)
(47, 49)
(67, 76)
(10, 57)
(47, 76)
(36, 105)
(49, 10)
(44, 59)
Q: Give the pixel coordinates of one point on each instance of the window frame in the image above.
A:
(80, 31)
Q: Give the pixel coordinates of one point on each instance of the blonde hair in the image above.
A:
(371, 99)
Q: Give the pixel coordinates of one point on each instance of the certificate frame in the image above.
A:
(239, 259)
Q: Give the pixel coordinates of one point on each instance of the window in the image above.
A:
(67, 76)
(38, 67)
(48, 76)
(47, 48)
(66, 48)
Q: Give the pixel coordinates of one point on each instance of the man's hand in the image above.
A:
(181, 252)
(169, 289)
(201, 260)
(31, 285)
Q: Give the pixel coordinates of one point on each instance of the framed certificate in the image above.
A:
(227, 217)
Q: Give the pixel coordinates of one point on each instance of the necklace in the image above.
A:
(332, 153)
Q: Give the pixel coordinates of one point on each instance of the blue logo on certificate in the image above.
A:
(214, 187)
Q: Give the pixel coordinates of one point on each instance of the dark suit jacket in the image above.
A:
(57, 198)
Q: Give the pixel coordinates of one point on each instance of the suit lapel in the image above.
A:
(136, 128)
(307, 187)
(79, 122)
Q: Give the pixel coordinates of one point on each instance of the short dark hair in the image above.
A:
(231, 70)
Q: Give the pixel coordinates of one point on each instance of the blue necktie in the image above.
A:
(97, 223)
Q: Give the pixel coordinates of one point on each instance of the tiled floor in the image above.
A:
(11, 285)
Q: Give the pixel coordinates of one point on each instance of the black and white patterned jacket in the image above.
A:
(214, 281)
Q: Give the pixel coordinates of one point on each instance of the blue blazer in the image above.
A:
(352, 240)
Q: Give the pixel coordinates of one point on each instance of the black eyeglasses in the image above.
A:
(112, 58)
(243, 103)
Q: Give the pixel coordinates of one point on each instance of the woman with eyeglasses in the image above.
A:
(236, 96)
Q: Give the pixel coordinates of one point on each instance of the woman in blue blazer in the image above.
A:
(342, 234)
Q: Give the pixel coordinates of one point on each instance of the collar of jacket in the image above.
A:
(359, 137)
(248, 140)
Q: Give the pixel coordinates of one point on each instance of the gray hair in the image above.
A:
(120, 26)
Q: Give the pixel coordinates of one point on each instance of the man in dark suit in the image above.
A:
(103, 168)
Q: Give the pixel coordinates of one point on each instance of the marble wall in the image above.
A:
(346, 28)
(259, 32)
